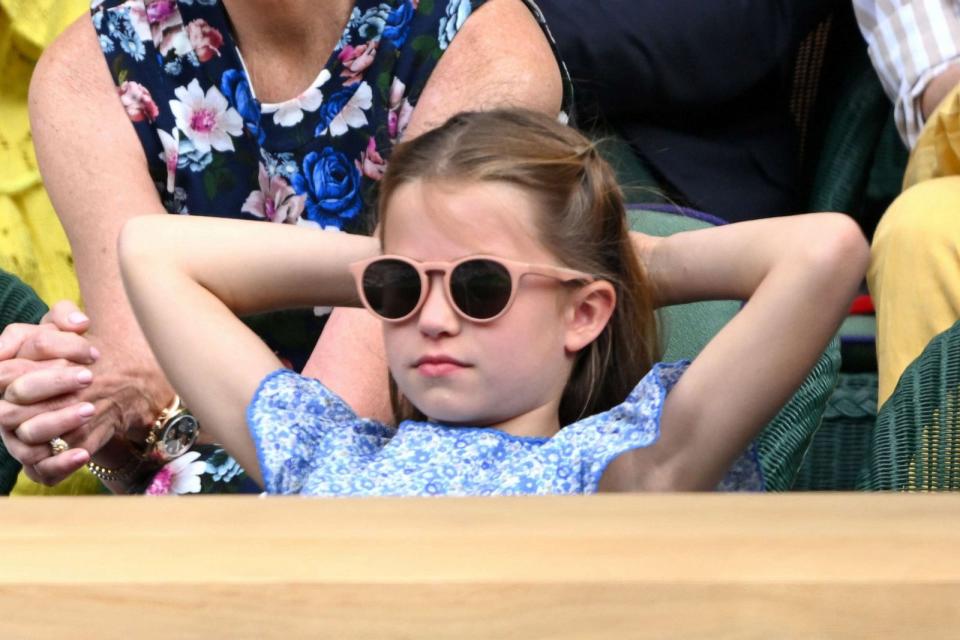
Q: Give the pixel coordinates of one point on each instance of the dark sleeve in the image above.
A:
(634, 56)
(18, 303)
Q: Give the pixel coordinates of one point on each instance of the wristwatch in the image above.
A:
(171, 435)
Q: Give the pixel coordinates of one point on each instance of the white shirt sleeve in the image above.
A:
(910, 42)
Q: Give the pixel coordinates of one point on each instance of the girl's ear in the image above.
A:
(588, 313)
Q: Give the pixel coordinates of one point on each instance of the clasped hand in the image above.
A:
(44, 372)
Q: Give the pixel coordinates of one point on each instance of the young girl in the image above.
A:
(518, 323)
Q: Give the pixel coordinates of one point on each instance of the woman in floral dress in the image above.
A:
(280, 111)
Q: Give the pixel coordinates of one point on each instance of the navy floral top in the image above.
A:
(214, 149)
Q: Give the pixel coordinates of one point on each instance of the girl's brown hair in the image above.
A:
(581, 221)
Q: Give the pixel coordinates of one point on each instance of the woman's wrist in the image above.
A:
(129, 404)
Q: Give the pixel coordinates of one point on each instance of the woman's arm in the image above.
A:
(798, 275)
(187, 278)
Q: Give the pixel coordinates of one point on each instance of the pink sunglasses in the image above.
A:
(480, 288)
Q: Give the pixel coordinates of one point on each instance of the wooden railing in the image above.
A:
(636, 566)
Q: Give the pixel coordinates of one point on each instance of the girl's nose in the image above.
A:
(437, 317)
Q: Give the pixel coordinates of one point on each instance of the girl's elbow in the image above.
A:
(839, 249)
(136, 243)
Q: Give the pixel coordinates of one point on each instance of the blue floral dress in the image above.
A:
(213, 148)
(310, 442)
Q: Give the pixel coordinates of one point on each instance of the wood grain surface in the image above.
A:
(629, 566)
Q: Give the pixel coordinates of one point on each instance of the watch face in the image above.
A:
(179, 435)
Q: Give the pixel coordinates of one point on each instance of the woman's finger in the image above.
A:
(54, 424)
(66, 316)
(27, 454)
(12, 369)
(13, 336)
(46, 384)
(52, 344)
(54, 469)
(13, 415)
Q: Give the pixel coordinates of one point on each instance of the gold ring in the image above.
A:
(58, 446)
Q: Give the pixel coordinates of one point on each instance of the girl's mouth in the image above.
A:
(436, 366)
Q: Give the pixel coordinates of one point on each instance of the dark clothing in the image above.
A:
(699, 89)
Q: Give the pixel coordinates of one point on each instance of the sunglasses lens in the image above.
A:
(391, 287)
(480, 288)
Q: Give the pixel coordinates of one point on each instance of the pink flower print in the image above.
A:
(170, 155)
(356, 60)
(400, 111)
(164, 24)
(160, 10)
(208, 120)
(205, 40)
(276, 200)
(138, 102)
(371, 163)
(160, 486)
(178, 476)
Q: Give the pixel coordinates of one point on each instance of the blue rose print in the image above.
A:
(331, 183)
(234, 86)
(331, 108)
(398, 24)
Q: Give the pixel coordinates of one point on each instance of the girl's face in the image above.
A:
(509, 373)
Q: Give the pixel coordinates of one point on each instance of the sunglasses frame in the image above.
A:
(516, 270)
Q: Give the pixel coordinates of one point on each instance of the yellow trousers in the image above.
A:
(914, 274)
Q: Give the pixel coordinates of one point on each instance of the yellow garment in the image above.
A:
(937, 152)
(914, 274)
(32, 242)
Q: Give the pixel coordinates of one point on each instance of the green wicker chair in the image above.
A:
(686, 329)
(18, 303)
(915, 444)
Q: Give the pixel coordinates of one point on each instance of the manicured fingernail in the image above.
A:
(86, 410)
(84, 376)
(77, 318)
(94, 353)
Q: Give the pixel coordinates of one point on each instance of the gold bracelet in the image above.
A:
(113, 475)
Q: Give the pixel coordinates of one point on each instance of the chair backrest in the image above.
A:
(687, 328)
(915, 443)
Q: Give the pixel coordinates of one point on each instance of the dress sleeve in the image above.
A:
(633, 424)
(297, 423)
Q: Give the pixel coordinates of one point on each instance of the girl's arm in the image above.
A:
(188, 278)
(798, 275)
